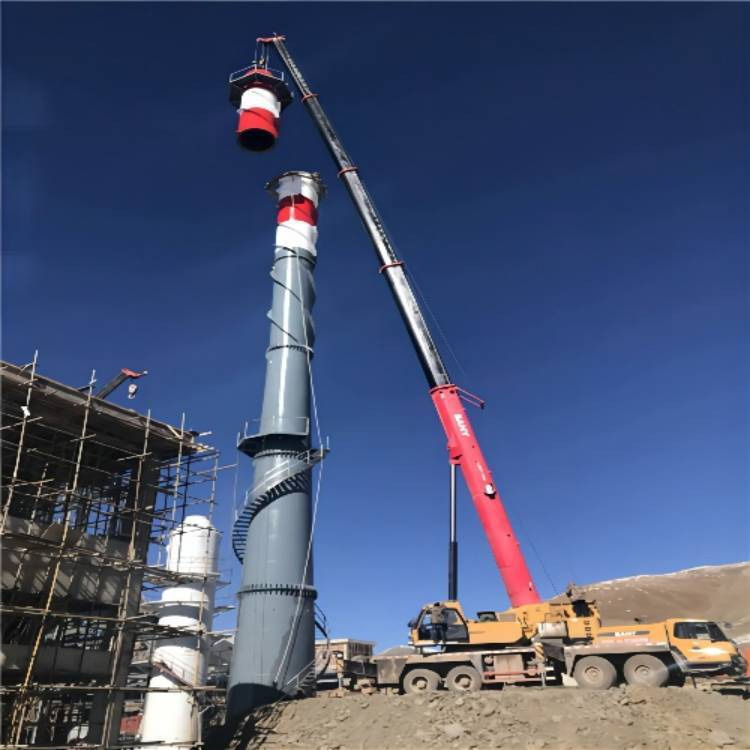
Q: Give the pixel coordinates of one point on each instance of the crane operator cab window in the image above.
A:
(442, 624)
(699, 631)
(581, 608)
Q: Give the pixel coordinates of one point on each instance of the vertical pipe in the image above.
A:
(453, 545)
(273, 655)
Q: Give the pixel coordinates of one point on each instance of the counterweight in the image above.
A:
(463, 447)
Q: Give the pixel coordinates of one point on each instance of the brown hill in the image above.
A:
(713, 592)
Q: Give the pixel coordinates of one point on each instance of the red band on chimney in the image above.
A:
(258, 119)
(297, 207)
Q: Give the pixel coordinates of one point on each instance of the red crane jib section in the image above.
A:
(464, 451)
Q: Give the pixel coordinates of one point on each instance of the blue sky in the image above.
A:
(569, 187)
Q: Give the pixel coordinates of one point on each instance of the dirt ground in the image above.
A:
(625, 718)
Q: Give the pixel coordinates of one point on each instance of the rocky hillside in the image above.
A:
(713, 592)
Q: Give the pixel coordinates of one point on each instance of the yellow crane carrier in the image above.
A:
(539, 643)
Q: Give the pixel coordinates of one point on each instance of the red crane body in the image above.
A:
(463, 446)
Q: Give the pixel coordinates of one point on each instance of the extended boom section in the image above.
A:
(462, 444)
(464, 450)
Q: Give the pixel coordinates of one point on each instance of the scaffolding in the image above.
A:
(91, 492)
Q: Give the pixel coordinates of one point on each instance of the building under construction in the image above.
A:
(107, 544)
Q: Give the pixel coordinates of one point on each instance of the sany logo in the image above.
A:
(462, 428)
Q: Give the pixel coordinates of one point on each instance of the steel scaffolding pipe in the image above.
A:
(273, 654)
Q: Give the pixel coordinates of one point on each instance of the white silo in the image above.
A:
(172, 718)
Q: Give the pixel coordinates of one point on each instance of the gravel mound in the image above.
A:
(625, 718)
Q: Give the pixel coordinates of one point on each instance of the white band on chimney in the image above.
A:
(297, 184)
(261, 98)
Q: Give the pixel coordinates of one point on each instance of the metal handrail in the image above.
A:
(308, 458)
(243, 71)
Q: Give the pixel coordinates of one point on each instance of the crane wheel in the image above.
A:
(646, 670)
(595, 673)
(421, 681)
(463, 679)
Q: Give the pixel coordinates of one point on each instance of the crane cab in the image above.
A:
(704, 646)
(444, 625)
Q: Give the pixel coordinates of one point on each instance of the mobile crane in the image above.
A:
(534, 640)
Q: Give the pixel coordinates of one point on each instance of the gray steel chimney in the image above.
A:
(273, 653)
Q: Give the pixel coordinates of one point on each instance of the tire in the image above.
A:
(595, 673)
(463, 679)
(646, 670)
(421, 681)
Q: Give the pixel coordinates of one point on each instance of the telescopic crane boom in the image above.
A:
(463, 445)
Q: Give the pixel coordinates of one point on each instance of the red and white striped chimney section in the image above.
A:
(259, 97)
(298, 195)
(258, 126)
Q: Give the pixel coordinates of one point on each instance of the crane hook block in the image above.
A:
(259, 97)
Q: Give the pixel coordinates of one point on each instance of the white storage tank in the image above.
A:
(172, 718)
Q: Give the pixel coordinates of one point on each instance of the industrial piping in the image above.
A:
(172, 717)
(273, 654)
